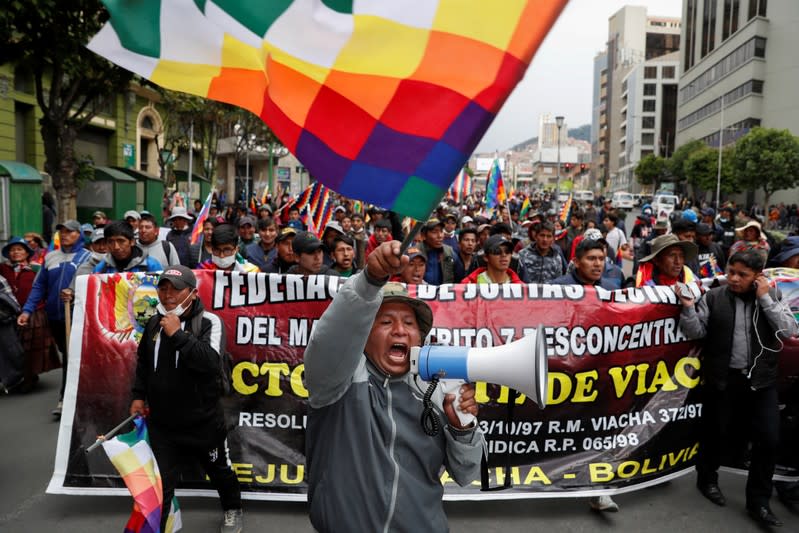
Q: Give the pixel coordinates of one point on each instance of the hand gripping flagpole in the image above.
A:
(102, 438)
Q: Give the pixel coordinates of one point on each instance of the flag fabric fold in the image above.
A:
(566, 210)
(387, 100)
(133, 458)
(202, 216)
(495, 188)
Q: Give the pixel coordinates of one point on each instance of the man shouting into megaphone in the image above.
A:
(371, 466)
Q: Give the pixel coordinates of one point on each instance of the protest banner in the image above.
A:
(624, 383)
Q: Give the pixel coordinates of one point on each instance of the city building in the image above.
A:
(635, 40)
(739, 69)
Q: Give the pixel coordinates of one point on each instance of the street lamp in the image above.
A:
(721, 137)
(559, 124)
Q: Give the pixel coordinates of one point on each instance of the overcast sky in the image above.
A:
(560, 78)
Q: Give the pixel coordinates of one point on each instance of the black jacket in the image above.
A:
(183, 388)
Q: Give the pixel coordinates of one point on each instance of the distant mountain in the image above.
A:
(581, 133)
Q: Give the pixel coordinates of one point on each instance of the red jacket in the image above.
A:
(472, 278)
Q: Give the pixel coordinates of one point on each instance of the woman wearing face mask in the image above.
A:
(224, 252)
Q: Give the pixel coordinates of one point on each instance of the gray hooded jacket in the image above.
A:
(370, 465)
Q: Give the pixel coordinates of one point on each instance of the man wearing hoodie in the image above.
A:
(52, 284)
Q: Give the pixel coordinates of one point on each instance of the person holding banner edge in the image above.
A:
(371, 467)
(742, 324)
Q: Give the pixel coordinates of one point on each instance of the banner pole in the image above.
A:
(67, 327)
(102, 438)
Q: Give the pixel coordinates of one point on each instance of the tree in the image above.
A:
(675, 165)
(650, 170)
(49, 37)
(701, 171)
(253, 135)
(767, 159)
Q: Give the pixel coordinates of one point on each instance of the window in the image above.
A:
(755, 47)
(650, 89)
(690, 28)
(648, 123)
(760, 47)
(647, 139)
(730, 18)
(649, 105)
(668, 72)
(708, 27)
(650, 73)
(757, 8)
(743, 90)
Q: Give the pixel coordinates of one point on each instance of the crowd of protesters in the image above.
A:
(525, 240)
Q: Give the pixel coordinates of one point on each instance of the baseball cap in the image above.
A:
(285, 233)
(98, 235)
(466, 219)
(708, 212)
(340, 208)
(432, 223)
(180, 277)
(703, 229)
(494, 242)
(305, 243)
(71, 225)
(99, 214)
(86, 228)
(246, 219)
(132, 214)
(413, 251)
(335, 226)
(482, 227)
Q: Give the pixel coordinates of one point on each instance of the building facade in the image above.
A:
(740, 69)
(634, 38)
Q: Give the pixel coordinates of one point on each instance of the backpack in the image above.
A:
(225, 362)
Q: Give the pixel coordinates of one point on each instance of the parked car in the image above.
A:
(663, 205)
(584, 196)
(622, 200)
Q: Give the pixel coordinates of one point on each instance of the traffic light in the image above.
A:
(582, 168)
(568, 167)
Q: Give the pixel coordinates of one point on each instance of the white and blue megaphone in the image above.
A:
(520, 365)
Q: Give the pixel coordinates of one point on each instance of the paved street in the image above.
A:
(27, 451)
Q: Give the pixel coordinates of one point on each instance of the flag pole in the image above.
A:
(102, 438)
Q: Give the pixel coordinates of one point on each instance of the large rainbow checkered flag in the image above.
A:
(384, 101)
(134, 460)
